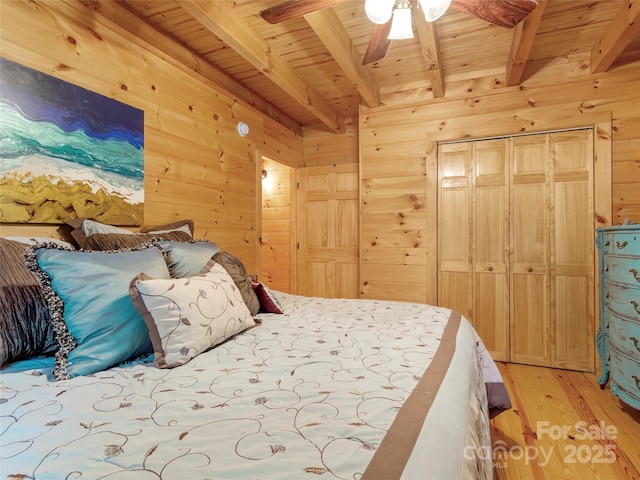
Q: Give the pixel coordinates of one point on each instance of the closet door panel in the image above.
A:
(573, 250)
(529, 227)
(573, 346)
(530, 276)
(454, 229)
(490, 239)
(529, 327)
(491, 313)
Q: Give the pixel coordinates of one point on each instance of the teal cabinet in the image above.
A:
(618, 337)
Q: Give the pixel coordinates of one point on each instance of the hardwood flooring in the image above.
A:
(563, 426)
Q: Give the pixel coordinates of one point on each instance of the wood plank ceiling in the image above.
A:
(308, 72)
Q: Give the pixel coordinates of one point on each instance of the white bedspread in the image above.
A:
(307, 394)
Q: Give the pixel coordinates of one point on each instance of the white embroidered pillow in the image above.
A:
(187, 316)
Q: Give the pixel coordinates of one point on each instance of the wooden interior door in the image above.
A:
(327, 253)
(490, 240)
(530, 236)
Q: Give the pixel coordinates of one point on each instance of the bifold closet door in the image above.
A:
(473, 225)
(516, 244)
(552, 250)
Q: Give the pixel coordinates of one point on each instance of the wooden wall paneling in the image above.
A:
(325, 148)
(375, 129)
(196, 165)
(280, 143)
(592, 94)
(393, 217)
(120, 18)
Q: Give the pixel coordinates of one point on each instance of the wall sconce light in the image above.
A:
(243, 129)
(264, 173)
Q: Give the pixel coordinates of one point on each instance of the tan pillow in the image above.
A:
(186, 316)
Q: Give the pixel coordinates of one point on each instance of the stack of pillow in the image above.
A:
(122, 296)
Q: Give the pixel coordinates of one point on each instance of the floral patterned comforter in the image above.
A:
(315, 393)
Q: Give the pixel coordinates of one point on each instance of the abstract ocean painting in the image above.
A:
(67, 152)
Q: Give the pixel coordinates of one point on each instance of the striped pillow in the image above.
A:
(25, 323)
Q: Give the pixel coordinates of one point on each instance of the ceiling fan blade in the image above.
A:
(378, 43)
(294, 9)
(505, 13)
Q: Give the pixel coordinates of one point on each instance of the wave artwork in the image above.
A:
(67, 152)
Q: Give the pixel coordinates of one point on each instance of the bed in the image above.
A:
(309, 388)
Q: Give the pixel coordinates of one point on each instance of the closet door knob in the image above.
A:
(529, 269)
(490, 269)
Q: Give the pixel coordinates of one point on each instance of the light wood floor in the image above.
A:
(576, 430)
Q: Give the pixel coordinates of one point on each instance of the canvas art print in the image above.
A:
(67, 152)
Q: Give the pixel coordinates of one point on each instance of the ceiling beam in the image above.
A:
(428, 36)
(294, 9)
(220, 19)
(523, 37)
(327, 26)
(623, 29)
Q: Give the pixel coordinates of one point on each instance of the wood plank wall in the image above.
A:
(398, 164)
(196, 165)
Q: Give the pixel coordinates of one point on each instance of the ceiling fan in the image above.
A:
(504, 13)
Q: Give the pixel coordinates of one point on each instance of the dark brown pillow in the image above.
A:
(83, 236)
(25, 323)
(170, 226)
(118, 241)
(236, 270)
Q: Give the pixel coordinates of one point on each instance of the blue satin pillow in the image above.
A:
(188, 259)
(92, 313)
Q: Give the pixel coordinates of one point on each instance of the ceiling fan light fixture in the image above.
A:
(401, 25)
(379, 11)
(434, 9)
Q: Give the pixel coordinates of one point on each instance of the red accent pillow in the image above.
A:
(268, 302)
